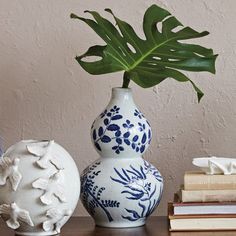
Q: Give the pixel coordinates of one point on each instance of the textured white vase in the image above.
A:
(39, 187)
(121, 189)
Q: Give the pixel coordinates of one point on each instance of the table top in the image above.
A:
(155, 226)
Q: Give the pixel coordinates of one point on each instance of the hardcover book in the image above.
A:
(196, 180)
(208, 195)
(213, 208)
(200, 222)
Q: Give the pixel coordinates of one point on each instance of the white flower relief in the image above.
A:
(16, 215)
(53, 187)
(44, 154)
(9, 169)
(56, 219)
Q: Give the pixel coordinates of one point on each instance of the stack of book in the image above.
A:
(205, 202)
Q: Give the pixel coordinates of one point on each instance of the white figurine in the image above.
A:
(16, 215)
(53, 187)
(9, 169)
(56, 219)
(44, 154)
(216, 165)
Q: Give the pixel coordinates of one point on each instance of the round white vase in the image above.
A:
(39, 187)
(121, 189)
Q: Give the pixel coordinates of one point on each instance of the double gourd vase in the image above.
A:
(121, 189)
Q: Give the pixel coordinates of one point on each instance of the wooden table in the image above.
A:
(84, 226)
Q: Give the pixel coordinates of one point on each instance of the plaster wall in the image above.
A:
(44, 94)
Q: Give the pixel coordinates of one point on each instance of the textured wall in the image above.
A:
(45, 94)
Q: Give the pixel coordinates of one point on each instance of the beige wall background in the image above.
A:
(44, 94)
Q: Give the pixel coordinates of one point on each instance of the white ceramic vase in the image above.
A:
(121, 189)
(39, 187)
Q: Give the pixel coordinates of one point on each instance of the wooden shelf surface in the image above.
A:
(155, 226)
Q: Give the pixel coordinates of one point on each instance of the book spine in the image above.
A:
(208, 195)
(209, 182)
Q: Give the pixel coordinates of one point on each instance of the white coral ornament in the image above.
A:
(56, 219)
(16, 215)
(9, 169)
(44, 154)
(53, 187)
(216, 165)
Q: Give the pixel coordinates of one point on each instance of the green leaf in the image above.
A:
(147, 62)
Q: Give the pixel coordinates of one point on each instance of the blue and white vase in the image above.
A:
(121, 189)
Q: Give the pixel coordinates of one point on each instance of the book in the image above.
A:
(206, 233)
(208, 195)
(200, 222)
(197, 180)
(213, 208)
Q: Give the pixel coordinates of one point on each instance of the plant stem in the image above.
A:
(126, 80)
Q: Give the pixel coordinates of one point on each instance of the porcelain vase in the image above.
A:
(121, 189)
(39, 187)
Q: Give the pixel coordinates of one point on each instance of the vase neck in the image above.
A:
(122, 94)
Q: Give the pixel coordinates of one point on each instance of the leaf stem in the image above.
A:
(126, 80)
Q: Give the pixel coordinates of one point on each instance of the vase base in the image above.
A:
(120, 224)
(41, 233)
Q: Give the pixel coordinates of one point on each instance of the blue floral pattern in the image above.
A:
(122, 135)
(138, 188)
(91, 194)
(138, 114)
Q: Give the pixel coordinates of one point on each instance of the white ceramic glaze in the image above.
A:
(121, 189)
(216, 165)
(38, 180)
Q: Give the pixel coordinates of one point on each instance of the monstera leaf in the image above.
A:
(148, 61)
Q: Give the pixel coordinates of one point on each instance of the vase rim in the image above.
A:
(122, 89)
(35, 140)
